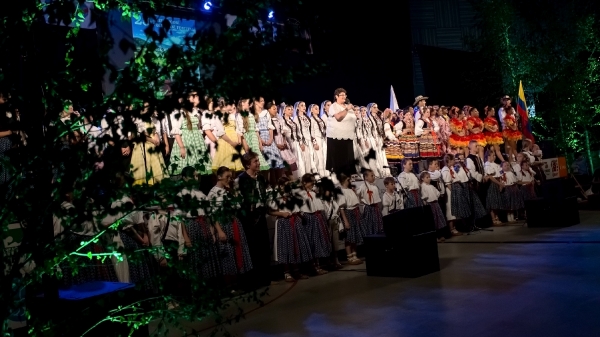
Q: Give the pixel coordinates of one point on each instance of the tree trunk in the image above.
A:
(588, 149)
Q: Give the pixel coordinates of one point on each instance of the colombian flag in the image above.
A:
(522, 110)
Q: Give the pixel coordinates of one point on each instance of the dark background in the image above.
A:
(367, 46)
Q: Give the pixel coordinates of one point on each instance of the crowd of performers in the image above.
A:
(313, 169)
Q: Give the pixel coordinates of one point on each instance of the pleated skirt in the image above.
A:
(234, 254)
(356, 232)
(512, 198)
(203, 256)
(318, 234)
(291, 244)
(493, 199)
(372, 219)
(438, 215)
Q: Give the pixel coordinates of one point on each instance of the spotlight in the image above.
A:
(207, 5)
(271, 15)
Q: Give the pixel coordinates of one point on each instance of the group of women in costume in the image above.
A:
(293, 146)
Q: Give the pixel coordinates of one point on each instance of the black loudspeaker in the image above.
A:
(552, 213)
(407, 249)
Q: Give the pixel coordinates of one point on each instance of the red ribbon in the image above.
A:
(370, 193)
(238, 244)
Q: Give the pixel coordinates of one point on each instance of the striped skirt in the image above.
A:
(357, 231)
(234, 254)
(204, 254)
(318, 234)
(528, 192)
(512, 199)
(291, 242)
(372, 219)
(438, 215)
(493, 199)
(414, 199)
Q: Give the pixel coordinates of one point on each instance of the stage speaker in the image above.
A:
(407, 249)
(552, 213)
(84, 305)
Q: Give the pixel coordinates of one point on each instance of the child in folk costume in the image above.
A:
(493, 136)
(315, 222)
(408, 140)
(410, 183)
(233, 248)
(427, 130)
(349, 210)
(515, 165)
(461, 199)
(377, 118)
(527, 181)
(328, 192)
(203, 251)
(319, 134)
(368, 194)
(291, 246)
(433, 167)
(458, 140)
(475, 128)
(391, 200)
(430, 195)
(512, 199)
(511, 132)
(494, 197)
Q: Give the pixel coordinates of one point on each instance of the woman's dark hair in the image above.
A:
(342, 178)
(339, 91)
(268, 105)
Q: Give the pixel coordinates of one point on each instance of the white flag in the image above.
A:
(393, 102)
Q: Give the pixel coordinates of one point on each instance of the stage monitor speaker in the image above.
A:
(552, 213)
(407, 249)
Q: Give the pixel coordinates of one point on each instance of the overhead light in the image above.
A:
(271, 15)
(207, 5)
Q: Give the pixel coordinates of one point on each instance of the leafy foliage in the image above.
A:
(44, 65)
(552, 47)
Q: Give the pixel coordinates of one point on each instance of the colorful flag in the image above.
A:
(522, 110)
(393, 102)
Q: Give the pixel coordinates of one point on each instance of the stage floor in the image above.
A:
(512, 282)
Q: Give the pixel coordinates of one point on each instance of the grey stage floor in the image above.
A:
(514, 282)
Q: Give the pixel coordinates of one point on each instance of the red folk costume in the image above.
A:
(492, 135)
(508, 133)
(479, 137)
(457, 139)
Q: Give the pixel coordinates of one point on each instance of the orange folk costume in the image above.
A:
(492, 137)
(458, 139)
(508, 133)
(479, 137)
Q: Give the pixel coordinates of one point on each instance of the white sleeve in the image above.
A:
(270, 125)
(436, 126)
(473, 170)
(501, 115)
(334, 109)
(176, 121)
(239, 125)
(419, 127)
(402, 180)
(207, 120)
(388, 132)
(398, 128)
(446, 176)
